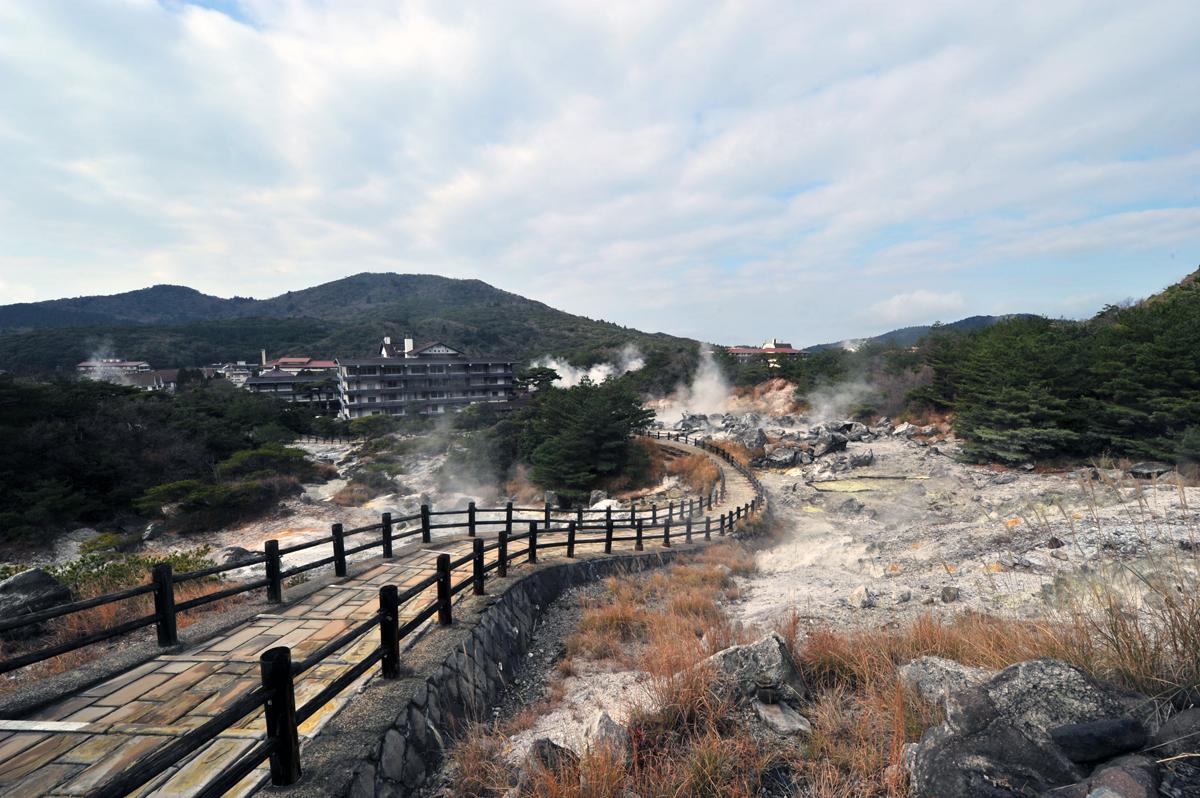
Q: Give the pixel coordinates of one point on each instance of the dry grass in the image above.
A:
(697, 471)
(355, 494)
(743, 454)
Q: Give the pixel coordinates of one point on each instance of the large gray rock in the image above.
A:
(829, 442)
(1179, 735)
(862, 459)
(781, 718)
(604, 733)
(1126, 777)
(781, 458)
(1097, 740)
(1149, 470)
(28, 592)
(233, 555)
(996, 738)
(767, 660)
(936, 679)
(596, 497)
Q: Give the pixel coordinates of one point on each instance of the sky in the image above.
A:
(726, 171)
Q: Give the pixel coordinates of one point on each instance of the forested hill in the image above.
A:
(176, 326)
(907, 336)
(1126, 383)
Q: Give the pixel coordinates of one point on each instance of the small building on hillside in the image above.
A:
(773, 351)
(429, 378)
(316, 390)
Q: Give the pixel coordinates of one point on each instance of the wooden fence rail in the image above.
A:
(276, 694)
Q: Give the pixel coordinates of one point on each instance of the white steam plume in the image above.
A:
(708, 393)
(836, 402)
(628, 359)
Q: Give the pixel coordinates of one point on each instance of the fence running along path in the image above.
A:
(246, 697)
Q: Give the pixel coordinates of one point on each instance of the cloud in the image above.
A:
(694, 168)
(917, 307)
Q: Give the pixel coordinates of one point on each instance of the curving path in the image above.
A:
(79, 742)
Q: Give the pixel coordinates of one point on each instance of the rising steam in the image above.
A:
(628, 359)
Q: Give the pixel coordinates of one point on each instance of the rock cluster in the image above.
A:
(1038, 728)
(29, 592)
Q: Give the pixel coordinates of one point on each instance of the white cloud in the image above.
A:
(696, 168)
(917, 307)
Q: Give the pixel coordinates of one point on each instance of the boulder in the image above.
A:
(782, 719)
(155, 528)
(767, 660)
(233, 555)
(1093, 741)
(854, 431)
(862, 459)
(1126, 777)
(596, 497)
(602, 732)
(550, 498)
(544, 755)
(753, 438)
(905, 430)
(950, 594)
(829, 442)
(861, 598)
(1149, 469)
(28, 592)
(781, 458)
(996, 739)
(1179, 735)
(936, 679)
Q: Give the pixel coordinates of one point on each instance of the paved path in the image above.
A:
(77, 743)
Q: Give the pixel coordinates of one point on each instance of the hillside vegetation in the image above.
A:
(173, 326)
(82, 452)
(1125, 383)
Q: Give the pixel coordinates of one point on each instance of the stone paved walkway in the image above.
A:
(76, 744)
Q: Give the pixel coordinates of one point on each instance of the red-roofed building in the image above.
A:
(773, 350)
(296, 365)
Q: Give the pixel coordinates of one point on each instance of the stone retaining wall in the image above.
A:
(467, 683)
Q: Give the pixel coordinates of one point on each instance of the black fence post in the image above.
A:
(387, 535)
(722, 529)
(164, 604)
(708, 527)
(477, 566)
(533, 542)
(570, 539)
(425, 531)
(471, 519)
(653, 514)
(508, 517)
(667, 534)
(274, 569)
(632, 514)
(502, 554)
(546, 514)
(579, 517)
(637, 540)
(671, 512)
(443, 590)
(275, 667)
(608, 531)
(339, 551)
(687, 530)
(389, 631)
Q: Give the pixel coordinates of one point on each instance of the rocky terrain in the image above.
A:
(882, 522)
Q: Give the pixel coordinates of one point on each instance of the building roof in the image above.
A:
(464, 360)
(301, 362)
(278, 375)
(759, 350)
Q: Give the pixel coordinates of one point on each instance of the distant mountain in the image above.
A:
(171, 325)
(907, 336)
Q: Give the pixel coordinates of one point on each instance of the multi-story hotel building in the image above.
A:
(420, 379)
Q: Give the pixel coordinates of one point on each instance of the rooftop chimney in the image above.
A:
(409, 346)
(263, 352)
(387, 339)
